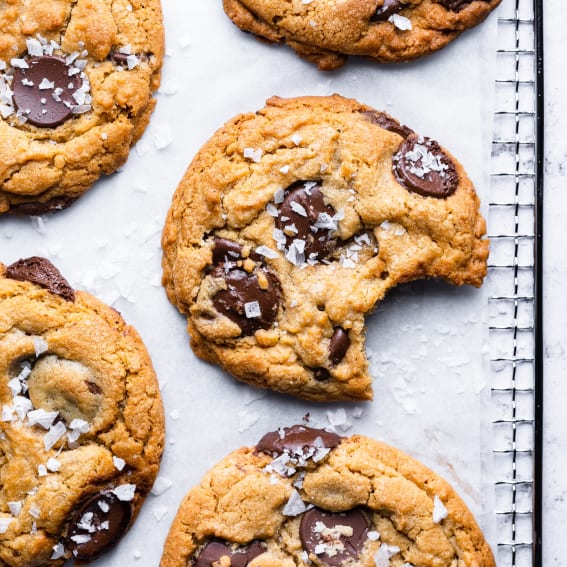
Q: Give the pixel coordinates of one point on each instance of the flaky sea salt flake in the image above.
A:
(252, 154)
(400, 22)
(439, 510)
(125, 492)
(294, 506)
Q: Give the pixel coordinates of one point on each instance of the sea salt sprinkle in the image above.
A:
(400, 22)
(295, 505)
(384, 553)
(439, 510)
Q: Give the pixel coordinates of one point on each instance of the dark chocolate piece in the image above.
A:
(97, 525)
(388, 123)
(41, 272)
(239, 556)
(388, 8)
(420, 165)
(331, 532)
(38, 208)
(225, 250)
(339, 345)
(321, 374)
(249, 304)
(44, 91)
(298, 215)
(456, 5)
(297, 439)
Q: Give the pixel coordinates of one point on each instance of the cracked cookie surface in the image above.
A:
(76, 84)
(82, 427)
(305, 496)
(327, 31)
(292, 223)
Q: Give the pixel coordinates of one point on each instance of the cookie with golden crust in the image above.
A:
(82, 426)
(326, 31)
(292, 223)
(76, 84)
(306, 496)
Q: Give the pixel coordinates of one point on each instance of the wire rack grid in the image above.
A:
(515, 283)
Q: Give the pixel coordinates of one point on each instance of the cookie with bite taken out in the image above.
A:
(292, 223)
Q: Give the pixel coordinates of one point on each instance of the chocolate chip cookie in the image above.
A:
(305, 496)
(384, 30)
(76, 84)
(293, 222)
(82, 427)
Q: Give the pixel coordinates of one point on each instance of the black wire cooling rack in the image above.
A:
(515, 283)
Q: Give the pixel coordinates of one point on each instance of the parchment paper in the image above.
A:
(427, 340)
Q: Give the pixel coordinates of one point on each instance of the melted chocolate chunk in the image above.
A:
(302, 209)
(38, 208)
(388, 8)
(41, 272)
(456, 5)
(225, 250)
(44, 91)
(97, 525)
(297, 439)
(321, 374)
(331, 532)
(420, 165)
(339, 345)
(250, 305)
(239, 557)
(388, 123)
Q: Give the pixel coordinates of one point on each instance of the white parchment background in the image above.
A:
(426, 340)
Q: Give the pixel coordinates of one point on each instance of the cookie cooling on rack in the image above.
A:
(76, 84)
(82, 427)
(292, 223)
(305, 496)
(387, 31)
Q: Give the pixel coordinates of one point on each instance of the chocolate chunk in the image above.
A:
(41, 272)
(328, 535)
(388, 123)
(38, 208)
(388, 8)
(307, 223)
(297, 439)
(97, 525)
(420, 165)
(239, 556)
(339, 345)
(44, 91)
(456, 5)
(249, 304)
(321, 374)
(119, 58)
(225, 250)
